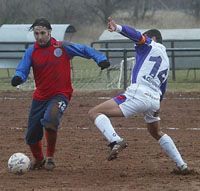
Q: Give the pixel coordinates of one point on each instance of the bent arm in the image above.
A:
(23, 68)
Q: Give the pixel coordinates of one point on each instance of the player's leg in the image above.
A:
(153, 125)
(34, 133)
(54, 111)
(166, 143)
(100, 116)
(123, 105)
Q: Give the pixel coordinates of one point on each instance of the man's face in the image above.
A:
(42, 35)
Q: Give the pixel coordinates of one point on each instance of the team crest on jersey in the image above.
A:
(58, 52)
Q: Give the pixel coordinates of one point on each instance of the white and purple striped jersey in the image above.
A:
(152, 63)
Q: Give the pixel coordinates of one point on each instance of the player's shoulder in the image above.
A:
(157, 44)
(66, 43)
(158, 47)
(30, 49)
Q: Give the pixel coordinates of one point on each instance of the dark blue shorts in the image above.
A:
(43, 113)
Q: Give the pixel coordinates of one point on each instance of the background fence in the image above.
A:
(87, 76)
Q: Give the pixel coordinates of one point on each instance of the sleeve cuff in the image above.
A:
(118, 28)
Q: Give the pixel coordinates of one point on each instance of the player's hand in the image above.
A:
(104, 64)
(16, 80)
(112, 26)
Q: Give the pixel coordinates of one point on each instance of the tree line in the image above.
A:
(86, 12)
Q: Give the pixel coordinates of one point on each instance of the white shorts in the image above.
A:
(139, 99)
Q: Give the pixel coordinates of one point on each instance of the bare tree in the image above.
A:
(195, 6)
(103, 8)
(140, 8)
(10, 13)
(79, 12)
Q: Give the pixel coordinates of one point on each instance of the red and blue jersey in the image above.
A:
(51, 67)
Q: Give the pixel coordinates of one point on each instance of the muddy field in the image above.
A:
(81, 149)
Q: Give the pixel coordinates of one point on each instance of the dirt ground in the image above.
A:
(81, 149)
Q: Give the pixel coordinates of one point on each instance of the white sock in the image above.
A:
(104, 125)
(169, 147)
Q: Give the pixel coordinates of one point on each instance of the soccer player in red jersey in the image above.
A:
(50, 61)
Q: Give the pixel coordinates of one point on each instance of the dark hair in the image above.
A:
(41, 22)
(154, 32)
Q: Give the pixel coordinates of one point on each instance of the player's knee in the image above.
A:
(154, 130)
(156, 135)
(92, 114)
(51, 127)
(51, 122)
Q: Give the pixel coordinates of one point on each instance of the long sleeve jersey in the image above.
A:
(152, 63)
(51, 67)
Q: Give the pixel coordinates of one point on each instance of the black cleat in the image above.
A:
(116, 147)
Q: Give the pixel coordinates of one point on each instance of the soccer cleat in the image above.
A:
(37, 164)
(182, 170)
(183, 167)
(116, 147)
(49, 164)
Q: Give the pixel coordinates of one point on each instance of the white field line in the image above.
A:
(106, 98)
(103, 98)
(176, 98)
(13, 98)
(129, 128)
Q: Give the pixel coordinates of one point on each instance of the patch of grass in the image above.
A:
(86, 75)
(183, 87)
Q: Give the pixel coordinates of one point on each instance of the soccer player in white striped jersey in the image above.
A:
(143, 96)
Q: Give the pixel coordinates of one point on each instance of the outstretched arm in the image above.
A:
(126, 31)
(86, 52)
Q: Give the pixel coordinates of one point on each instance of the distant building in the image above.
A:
(14, 39)
(172, 38)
